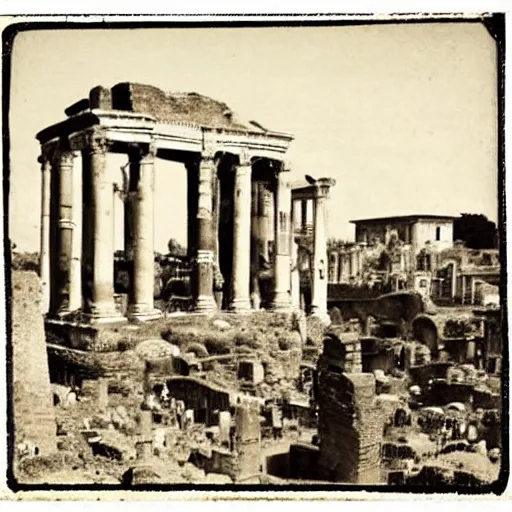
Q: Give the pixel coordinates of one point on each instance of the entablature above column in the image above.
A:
(129, 127)
(313, 189)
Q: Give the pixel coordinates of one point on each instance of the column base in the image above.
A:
(205, 304)
(240, 306)
(136, 313)
(322, 316)
(104, 317)
(281, 302)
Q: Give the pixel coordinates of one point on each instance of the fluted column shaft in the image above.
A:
(282, 267)
(142, 307)
(241, 236)
(44, 253)
(205, 301)
(102, 307)
(64, 167)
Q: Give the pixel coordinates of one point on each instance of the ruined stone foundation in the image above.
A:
(34, 417)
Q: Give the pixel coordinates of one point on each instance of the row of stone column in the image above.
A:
(95, 283)
(348, 263)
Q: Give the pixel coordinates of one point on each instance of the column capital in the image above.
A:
(97, 141)
(286, 165)
(209, 151)
(48, 152)
(323, 187)
(244, 158)
(65, 157)
(142, 152)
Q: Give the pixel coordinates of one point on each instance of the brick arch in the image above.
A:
(425, 331)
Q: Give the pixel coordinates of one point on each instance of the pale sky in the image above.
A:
(402, 116)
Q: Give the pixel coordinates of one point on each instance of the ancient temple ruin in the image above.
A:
(236, 174)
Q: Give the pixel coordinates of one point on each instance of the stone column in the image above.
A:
(282, 267)
(102, 307)
(353, 261)
(192, 205)
(64, 166)
(44, 252)
(319, 266)
(205, 302)
(241, 236)
(142, 306)
(217, 286)
(75, 296)
(294, 260)
(256, 225)
(333, 266)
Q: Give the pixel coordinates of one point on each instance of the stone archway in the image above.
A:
(425, 331)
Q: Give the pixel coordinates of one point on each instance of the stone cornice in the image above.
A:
(138, 128)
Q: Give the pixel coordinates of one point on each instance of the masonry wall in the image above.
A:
(350, 422)
(34, 417)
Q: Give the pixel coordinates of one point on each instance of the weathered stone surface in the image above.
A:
(350, 423)
(155, 348)
(190, 108)
(34, 416)
(221, 325)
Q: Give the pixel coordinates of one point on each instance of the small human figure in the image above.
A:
(180, 413)
(277, 421)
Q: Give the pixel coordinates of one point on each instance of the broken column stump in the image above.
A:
(350, 425)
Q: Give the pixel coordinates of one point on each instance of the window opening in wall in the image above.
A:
(438, 233)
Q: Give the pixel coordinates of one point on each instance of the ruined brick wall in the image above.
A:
(168, 107)
(34, 417)
(350, 423)
(200, 396)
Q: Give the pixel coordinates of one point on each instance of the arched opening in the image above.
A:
(425, 331)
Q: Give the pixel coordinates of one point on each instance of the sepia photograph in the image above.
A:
(255, 254)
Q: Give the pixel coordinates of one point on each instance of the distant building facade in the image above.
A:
(414, 230)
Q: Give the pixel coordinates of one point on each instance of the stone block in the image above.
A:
(251, 371)
(100, 98)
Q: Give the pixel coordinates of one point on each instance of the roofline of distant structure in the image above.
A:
(405, 217)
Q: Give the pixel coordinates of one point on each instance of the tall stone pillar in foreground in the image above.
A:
(319, 266)
(205, 301)
(242, 236)
(44, 251)
(102, 307)
(350, 422)
(63, 163)
(34, 415)
(282, 267)
(142, 306)
(247, 440)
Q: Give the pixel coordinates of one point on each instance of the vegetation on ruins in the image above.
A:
(476, 231)
(28, 261)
